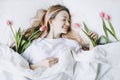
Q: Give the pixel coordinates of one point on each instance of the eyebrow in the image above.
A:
(64, 16)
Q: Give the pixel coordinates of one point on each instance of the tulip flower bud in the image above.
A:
(102, 14)
(43, 28)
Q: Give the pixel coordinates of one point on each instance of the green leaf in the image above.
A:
(18, 39)
(93, 42)
(23, 42)
(112, 34)
(86, 30)
(26, 45)
(11, 27)
(111, 27)
(85, 27)
(102, 37)
(33, 34)
(105, 31)
(113, 31)
(20, 43)
(33, 30)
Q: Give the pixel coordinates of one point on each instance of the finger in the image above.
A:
(93, 35)
(64, 36)
(90, 33)
(56, 60)
(48, 58)
(52, 63)
(52, 59)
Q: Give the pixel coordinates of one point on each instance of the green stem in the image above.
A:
(112, 34)
(113, 31)
(105, 31)
(12, 31)
(33, 34)
(92, 41)
(14, 37)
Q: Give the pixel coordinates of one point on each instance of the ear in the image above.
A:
(50, 22)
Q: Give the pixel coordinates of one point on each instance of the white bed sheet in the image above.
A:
(104, 64)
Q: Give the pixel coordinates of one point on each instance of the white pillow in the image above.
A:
(20, 12)
(88, 11)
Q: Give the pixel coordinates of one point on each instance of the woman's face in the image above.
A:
(61, 23)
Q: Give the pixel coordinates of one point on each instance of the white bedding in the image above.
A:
(101, 63)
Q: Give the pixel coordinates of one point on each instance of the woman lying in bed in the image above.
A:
(46, 50)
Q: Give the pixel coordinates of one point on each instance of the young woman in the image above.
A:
(53, 46)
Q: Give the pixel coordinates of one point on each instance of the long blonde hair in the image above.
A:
(43, 17)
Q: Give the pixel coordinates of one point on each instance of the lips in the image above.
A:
(66, 28)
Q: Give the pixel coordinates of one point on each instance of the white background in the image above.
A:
(88, 11)
(21, 12)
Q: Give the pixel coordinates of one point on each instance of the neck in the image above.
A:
(53, 34)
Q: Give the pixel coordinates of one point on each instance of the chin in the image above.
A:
(65, 32)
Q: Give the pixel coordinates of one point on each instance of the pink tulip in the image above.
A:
(9, 22)
(76, 25)
(102, 14)
(43, 28)
(107, 17)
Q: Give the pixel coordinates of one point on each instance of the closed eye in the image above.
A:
(63, 19)
(69, 21)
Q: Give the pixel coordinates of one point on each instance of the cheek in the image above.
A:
(58, 28)
(60, 25)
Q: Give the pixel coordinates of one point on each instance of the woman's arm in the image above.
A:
(34, 66)
(76, 36)
(48, 62)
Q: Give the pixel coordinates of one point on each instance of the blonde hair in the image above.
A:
(43, 17)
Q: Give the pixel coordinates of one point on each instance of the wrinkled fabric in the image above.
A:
(96, 64)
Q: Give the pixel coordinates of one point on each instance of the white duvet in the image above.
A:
(101, 63)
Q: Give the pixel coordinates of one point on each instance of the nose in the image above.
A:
(67, 23)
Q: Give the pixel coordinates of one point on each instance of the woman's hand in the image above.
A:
(48, 62)
(93, 35)
(73, 35)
